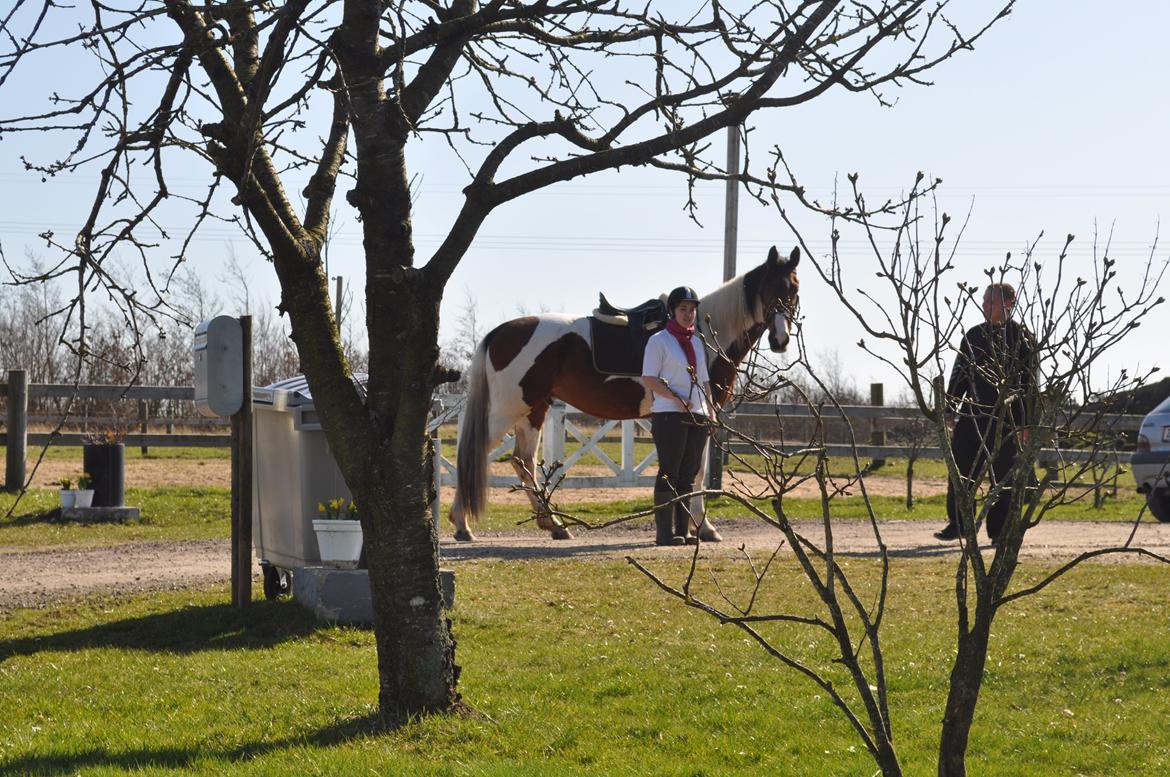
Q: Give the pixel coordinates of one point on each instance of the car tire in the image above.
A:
(1158, 501)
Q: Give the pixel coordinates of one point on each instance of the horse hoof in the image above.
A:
(709, 534)
(464, 535)
(561, 533)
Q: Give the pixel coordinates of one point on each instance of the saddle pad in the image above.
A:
(618, 350)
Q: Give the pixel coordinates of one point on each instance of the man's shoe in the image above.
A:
(947, 533)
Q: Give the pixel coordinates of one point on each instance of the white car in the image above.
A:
(1151, 462)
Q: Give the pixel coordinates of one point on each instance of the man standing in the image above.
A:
(990, 399)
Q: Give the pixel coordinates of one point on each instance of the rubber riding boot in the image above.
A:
(682, 524)
(947, 533)
(664, 520)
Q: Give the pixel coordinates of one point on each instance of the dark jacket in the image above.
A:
(995, 374)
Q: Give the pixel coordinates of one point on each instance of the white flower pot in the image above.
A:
(68, 497)
(83, 497)
(340, 542)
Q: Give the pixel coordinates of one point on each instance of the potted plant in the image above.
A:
(339, 533)
(67, 494)
(83, 496)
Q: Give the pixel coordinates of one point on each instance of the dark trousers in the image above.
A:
(973, 440)
(679, 440)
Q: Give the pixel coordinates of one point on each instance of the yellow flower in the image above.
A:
(321, 507)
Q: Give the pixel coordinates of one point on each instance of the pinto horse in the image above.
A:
(523, 364)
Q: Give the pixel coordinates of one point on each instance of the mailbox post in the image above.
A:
(223, 387)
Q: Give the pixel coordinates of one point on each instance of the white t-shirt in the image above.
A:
(665, 358)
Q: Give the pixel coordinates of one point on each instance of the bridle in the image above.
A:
(779, 318)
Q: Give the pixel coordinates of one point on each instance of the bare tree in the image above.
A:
(456, 353)
(914, 321)
(313, 94)
(27, 341)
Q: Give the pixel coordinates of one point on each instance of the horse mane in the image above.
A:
(727, 309)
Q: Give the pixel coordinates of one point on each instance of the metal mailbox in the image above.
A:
(219, 366)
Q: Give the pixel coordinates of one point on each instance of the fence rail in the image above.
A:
(563, 425)
(101, 391)
(564, 422)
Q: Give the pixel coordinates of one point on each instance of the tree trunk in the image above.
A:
(416, 649)
(966, 681)
(380, 447)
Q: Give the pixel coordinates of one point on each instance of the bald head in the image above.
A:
(998, 301)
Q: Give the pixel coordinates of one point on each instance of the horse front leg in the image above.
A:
(706, 531)
(523, 461)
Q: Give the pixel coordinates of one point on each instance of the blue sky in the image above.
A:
(1056, 123)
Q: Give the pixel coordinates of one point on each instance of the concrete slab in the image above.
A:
(100, 514)
(343, 595)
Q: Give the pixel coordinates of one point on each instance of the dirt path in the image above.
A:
(35, 578)
(217, 472)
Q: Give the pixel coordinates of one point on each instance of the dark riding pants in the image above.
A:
(679, 439)
(973, 439)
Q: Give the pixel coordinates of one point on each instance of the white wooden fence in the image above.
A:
(561, 424)
(564, 423)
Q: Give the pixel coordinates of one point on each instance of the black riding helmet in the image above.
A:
(681, 294)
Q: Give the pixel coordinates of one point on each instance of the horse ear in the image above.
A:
(793, 259)
(773, 256)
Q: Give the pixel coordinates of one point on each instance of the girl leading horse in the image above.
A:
(525, 363)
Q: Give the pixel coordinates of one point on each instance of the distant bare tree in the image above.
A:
(457, 352)
(28, 340)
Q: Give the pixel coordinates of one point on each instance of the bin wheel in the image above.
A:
(275, 582)
(1159, 502)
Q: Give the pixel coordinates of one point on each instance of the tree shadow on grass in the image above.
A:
(186, 630)
(204, 755)
(52, 515)
(484, 550)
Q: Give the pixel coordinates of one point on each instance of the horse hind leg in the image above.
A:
(456, 516)
(498, 425)
(523, 461)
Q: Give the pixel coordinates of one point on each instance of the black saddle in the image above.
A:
(620, 334)
(650, 311)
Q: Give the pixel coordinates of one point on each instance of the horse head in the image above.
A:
(779, 296)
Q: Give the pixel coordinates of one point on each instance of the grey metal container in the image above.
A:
(293, 471)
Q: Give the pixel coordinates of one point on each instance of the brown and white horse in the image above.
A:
(523, 364)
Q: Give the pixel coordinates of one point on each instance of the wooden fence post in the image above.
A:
(554, 433)
(242, 481)
(877, 435)
(629, 429)
(142, 417)
(437, 472)
(877, 398)
(17, 429)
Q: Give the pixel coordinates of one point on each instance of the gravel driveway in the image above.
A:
(35, 578)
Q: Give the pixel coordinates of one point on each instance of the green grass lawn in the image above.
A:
(174, 513)
(132, 453)
(168, 513)
(582, 667)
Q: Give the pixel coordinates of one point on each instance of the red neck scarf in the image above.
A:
(683, 335)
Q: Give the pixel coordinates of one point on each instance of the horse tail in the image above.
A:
(474, 441)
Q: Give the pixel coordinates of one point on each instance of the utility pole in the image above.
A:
(337, 303)
(731, 216)
(730, 239)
